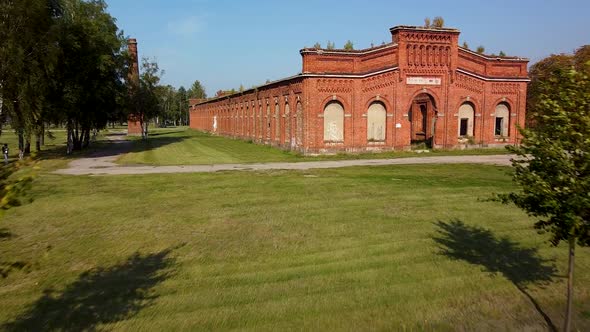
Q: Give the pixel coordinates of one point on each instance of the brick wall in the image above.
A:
(420, 66)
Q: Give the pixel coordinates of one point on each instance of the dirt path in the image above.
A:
(103, 163)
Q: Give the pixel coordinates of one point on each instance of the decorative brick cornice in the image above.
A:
(469, 83)
(334, 85)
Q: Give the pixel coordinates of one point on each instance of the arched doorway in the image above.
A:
(422, 116)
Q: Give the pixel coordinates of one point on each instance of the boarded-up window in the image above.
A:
(260, 123)
(334, 122)
(466, 116)
(277, 118)
(268, 120)
(376, 116)
(299, 124)
(287, 123)
(502, 120)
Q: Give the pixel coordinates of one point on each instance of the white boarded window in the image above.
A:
(287, 123)
(466, 116)
(376, 116)
(334, 122)
(299, 114)
(502, 120)
(277, 118)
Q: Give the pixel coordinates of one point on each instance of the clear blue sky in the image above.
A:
(226, 43)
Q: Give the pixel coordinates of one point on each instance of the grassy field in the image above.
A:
(379, 248)
(181, 146)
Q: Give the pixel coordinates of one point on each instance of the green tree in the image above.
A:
(349, 46)
(28, 50)
(552, 167)
(540, 73)
(427, 23)
(145, 98)
(438, 22)
(330, 45)
(502, 53)
(581, 58)
(480, 49)
(465, 45)
(182, 100)
(87, 87)
(169, 108)
(317, 45)
(197, 91)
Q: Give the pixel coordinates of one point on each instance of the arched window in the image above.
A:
(334, 122)
(299, 123)
(268, 122)
(277, 118)
(466, 116)
(287, 123)
(376, 116)
(502, 120)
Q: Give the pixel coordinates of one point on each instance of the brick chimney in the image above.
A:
(133, 123)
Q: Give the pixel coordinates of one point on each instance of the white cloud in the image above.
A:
(187, 26)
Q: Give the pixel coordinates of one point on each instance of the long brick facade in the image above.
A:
(420, 89)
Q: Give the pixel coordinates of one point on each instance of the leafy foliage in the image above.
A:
(553, 164)
(547, 68)
(61, 61)
(197, 91)
(146, 103)
(349, 46)
(438, 22)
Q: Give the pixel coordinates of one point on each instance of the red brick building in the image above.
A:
(421, 88)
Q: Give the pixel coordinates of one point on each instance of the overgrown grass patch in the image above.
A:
(406, 247)
(181, 146)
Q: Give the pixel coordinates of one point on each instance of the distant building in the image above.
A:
(421, 88)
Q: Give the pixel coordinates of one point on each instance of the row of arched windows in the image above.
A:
(377, 115)
(467, 120)
(255, 119)
(334, 122)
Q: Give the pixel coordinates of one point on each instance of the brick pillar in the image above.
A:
(133, 123)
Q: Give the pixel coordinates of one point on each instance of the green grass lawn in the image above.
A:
(374, 248)
(181, 146)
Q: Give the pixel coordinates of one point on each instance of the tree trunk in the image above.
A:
(77, 138)
(21, 144)
(570, 285)
(42, 135)
(70, 145)
(86, 138)
(38, 142)
(28, 145)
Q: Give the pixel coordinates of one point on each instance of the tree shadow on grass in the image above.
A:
(113, 147)
(118, 147)
(6, 267)
(480, 246)
(100, 296)
(5, 234)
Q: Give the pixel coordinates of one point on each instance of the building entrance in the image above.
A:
(422, 116)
